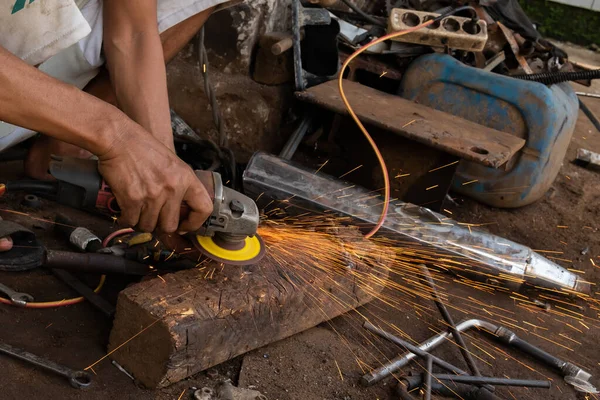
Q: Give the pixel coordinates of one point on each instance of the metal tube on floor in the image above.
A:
(573, 374)
(474, 380)
(428, 378)
(462, 346)
(412, 348)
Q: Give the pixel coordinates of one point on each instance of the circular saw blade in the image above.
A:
(250, 253)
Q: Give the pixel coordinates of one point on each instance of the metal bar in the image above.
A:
(412, 348)
(462, 346)
(403, 360)
(597, 96)
(297, 136)
(428, 380)
(494, 381)
(94, 298)
(588, 113)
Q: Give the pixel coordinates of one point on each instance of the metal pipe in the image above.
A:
(275, 179)
(394, 365)
(594, 95)
(578, 377)
(462, 346)
(588, 113)
(414, 349)
(297, 136)
(494, 381)
(446, 389)
(428, 380)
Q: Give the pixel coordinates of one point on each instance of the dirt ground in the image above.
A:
(320, 363)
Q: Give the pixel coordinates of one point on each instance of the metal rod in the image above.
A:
(597, 96)
(403, 360)
(588, 113)
(428, 374)
(412, 348)
(494, 381)
(462, 346)
(296, 138)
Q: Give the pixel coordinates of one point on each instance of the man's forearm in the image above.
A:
(136, 64)
(34, 100)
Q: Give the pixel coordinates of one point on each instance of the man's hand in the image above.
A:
(150, 183)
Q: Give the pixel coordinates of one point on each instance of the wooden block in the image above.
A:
(196, 322)
(440, 130)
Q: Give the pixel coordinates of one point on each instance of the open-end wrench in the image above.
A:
(77, 379)
(18, 299)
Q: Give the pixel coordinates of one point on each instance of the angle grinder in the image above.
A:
(228, 235)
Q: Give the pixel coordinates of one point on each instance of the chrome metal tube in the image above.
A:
(394, 365)
(270, 179)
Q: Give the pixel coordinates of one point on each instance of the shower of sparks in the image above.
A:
(338, 270)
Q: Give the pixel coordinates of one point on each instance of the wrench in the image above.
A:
(77, 379)
(18, 299)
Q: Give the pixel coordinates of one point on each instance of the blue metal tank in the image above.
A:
(544, 116)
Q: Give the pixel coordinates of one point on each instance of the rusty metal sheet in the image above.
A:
(454, 135)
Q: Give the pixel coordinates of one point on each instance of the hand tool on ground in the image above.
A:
(84, 290)
(77, 379)
(462, 346)
(572, 374)
(18, 299)
(367, 380)
(411, 383)
(228, 235)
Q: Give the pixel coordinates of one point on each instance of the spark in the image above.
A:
(349, 172)
(161, 278)
(321, 167)
(48, 326)
(409, 123)
(401, 175)
(562, 226)
(381, 76)
(468, 183)
(339, 370)
(444, 166)
(432, 187)
(122, 344)
(448, 211)
(181, 395)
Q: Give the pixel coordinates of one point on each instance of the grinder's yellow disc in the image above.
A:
(251, 252)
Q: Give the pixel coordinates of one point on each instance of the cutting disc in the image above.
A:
(247, 252)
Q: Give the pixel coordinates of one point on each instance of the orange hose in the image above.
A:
(57, 303)
(386, 177)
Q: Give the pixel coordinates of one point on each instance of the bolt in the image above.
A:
(236, 206)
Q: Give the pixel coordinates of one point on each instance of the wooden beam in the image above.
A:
(446, 132)
(198, 318)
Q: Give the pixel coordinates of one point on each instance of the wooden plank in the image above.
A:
(449, 133)
(198, 318)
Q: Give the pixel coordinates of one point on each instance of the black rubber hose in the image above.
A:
(549, 78)
(33, 186)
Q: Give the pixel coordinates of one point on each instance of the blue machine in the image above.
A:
(543, 115)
